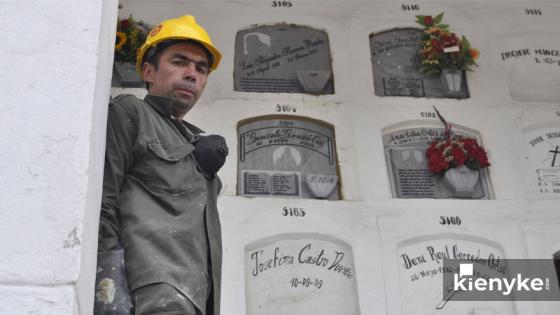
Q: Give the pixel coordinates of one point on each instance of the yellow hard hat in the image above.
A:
(184, 28)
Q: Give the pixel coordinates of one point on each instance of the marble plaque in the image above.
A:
(395, 57)
(542, 160)
(283, 58)
(414, 248)
(405, 153)
(300, 274)
(532, 64)
(421, 271)
(287, 156)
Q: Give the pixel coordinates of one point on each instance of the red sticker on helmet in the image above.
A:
(156, 30)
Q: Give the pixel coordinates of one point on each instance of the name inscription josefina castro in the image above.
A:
(332, 260)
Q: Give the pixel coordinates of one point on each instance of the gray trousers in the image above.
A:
(162, 299)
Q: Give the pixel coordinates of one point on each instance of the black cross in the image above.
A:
(555, 151)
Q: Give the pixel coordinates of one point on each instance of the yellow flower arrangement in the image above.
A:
(130, 36)
(121, 40)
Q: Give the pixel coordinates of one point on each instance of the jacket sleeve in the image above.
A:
(121, 135)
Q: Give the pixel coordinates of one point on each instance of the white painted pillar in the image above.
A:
(56, 61)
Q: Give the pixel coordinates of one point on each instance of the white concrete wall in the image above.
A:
(506, 96)
(56, 60)
(56, 71)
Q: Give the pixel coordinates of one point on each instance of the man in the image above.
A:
(160, 185)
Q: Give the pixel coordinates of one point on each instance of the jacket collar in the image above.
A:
(164, 106)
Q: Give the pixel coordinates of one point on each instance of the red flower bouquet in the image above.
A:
(453, 152)
(445, 154)
(442, 49)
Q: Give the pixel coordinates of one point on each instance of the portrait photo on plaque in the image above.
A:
(283, 58)
(395, 59)
(287, 156)
(405, 145)
(303, 273)
(542, 160)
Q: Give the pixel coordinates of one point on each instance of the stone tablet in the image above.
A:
(283, 58)
(415, 246)
(532, 64)
(395, 57)
(421, 271)
(287, 156)
(405, 153)
(300, 274)
(542, 160)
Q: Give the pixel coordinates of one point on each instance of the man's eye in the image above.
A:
(202, 69)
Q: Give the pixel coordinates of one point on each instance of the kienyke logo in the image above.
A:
(464, 281)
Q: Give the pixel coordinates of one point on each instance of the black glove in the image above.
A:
(210, 152)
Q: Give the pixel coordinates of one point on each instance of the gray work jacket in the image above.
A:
(157, 205)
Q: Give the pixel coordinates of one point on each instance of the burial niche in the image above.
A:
(395, 59)
(421, 268)
(287, 156)
(405, 146)
(532, 65)
(542, 160)
(283, 58)
(300, 274)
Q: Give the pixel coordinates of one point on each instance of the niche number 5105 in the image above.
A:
(285, 4)
(293, 212)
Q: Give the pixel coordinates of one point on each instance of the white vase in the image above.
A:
(461, 181)
(451, 79)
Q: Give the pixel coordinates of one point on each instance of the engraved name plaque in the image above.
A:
(287, 156)
(300, 274)
(283, 58)
(395, 57)
(405, 153)
(542, 160)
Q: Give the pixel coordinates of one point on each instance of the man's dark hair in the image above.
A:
(153, 54)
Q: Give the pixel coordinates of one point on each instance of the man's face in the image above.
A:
(181, 75)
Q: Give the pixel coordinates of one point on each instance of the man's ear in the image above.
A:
(148, 70)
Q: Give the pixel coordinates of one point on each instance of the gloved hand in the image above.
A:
(210, 152)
